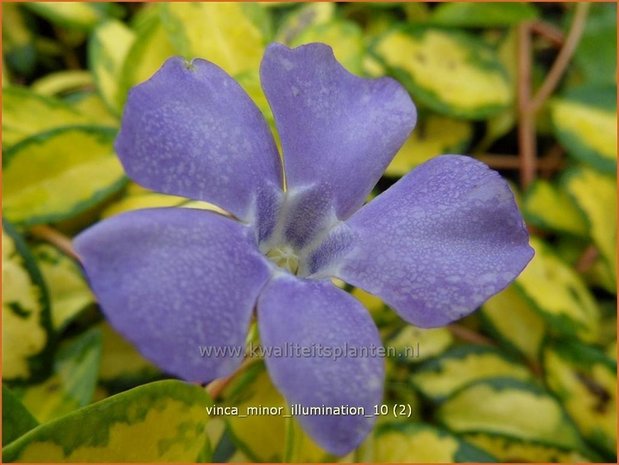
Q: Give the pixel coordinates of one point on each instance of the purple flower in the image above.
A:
(434, 246)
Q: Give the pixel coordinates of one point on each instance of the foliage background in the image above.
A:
(528, 88)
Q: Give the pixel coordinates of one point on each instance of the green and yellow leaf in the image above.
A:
(230, 35)
(451, 72)
(69, 293)
(121, 363)
(72, 14)
(58, 174)
(62, 82)
(16, 419)
(440, 377)
(585, 122)
(516, 324)
(596, 196)
(558, 294)
(507, 449)
(157, 422)
(92, 105)
(422, 443)
(25, 113)
(108, 47)
(549, 207)
(512, 408)
(586, 382)
(72, 383)
(26, 328)
(413, 344)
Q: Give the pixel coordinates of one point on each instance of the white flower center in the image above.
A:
(302, 234)
(284, 257)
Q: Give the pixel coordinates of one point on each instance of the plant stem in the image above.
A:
(56, 238)
(551, 33)
(587, 259)
(563, 58)
(552, 161)
(468, 335)
(68, 51)
(289, 439)
(512, 162)
(526, 127)
(365, 452)
(216, 387)
(528, 105)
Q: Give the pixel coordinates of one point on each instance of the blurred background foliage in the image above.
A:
(528, 88)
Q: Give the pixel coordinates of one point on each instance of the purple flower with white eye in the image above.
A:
(433, 246)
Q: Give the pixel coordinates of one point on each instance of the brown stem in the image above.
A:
(55, 237)
(468, 335)
(587, 259)
(528, 105)
(535, 368)
(68, 52)
(512, 162)
(563, 58)
(216, 387)
(500, 162)
(552, 162)
(526, 126)
(551, 33)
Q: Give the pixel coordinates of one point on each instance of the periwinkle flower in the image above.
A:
(433, 246)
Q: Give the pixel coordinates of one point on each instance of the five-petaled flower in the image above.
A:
(433, 246)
